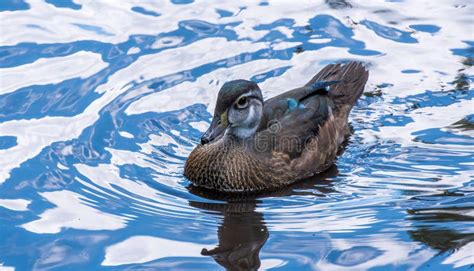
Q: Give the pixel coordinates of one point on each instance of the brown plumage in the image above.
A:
(255, 145)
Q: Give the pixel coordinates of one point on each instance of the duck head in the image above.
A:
(238, 111)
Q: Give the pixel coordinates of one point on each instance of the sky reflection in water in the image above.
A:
(100, 104)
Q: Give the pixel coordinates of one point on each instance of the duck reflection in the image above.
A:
(243, 232)
(241, 235)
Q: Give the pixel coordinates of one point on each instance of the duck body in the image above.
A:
(255, 145)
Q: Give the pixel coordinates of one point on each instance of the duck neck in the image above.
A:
(242, 133)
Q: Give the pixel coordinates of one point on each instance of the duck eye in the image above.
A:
(242, 102)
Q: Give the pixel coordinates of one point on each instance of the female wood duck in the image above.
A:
(254, 145)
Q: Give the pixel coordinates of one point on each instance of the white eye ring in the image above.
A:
(243, 102)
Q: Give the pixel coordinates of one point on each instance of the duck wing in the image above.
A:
(342, 83)
(310, 122)
(278, 107)
(291, 132)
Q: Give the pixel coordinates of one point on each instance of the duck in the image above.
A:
(255, 145)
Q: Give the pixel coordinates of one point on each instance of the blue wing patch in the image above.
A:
(293, 104)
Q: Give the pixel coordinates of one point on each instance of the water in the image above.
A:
(101, 103)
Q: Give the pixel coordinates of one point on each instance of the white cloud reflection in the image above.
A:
(141, 249)
(462, 256)
(15, 204)
(50, 71)
(72, 212)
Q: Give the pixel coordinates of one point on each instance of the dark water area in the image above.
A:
(101, 103)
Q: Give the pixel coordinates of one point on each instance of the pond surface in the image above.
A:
(101, 103)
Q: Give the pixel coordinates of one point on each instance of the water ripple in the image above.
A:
(98, 115)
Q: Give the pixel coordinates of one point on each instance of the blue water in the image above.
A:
(101, 103)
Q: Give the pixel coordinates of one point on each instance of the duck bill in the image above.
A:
(215, 131)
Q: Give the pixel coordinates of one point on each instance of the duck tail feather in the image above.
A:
(349, 78)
